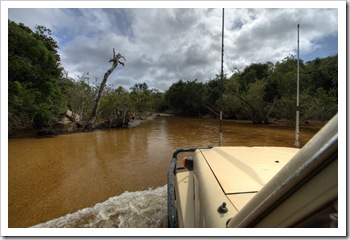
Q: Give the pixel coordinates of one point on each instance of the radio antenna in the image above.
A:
(221, 75)
(297, 142)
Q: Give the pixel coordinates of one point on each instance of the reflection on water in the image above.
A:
(51, 177)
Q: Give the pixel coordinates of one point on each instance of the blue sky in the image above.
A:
(163, 45)
(327, 46)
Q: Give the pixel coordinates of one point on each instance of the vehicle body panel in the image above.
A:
(246, 169)
(258, 186)
(240, 171)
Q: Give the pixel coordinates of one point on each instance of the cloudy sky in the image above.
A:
(163, 45)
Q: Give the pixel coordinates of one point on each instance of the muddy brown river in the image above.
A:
(52, 177)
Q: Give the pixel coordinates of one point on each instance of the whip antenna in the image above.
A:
(221, 75)
(297, 142)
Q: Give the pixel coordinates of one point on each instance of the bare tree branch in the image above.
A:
(115, 60)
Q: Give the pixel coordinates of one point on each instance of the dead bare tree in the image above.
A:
(115, 61)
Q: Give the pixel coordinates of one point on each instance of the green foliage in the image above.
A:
(321, 105)
(212, 91)
(34, 73)
(323, 73)
(186, 98)
(21, 99)
(253, 72)
(79, 95)
(249, 103)
(141, 97)
(115, 103)
(262, 91)
(42, 114)
(318, 89)
(158, 102)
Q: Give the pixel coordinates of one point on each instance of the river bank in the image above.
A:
(60, 129)
(139, 120)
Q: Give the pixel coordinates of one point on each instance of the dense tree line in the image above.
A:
(33, 76)
(263, 91)
(40, 92)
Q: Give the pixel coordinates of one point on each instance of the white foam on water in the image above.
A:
(141, 209)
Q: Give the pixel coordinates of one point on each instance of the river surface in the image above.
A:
(115, 178)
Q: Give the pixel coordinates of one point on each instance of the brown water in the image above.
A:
(51, 177)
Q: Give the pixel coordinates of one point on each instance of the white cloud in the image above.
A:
(162, 46)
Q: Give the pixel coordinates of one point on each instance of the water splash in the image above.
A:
(141, 209)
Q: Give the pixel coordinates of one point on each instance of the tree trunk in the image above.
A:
(89, 126)
(212, 110)
(124, 117)
(257, 116)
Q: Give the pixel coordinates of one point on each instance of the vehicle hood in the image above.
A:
(246, 169)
